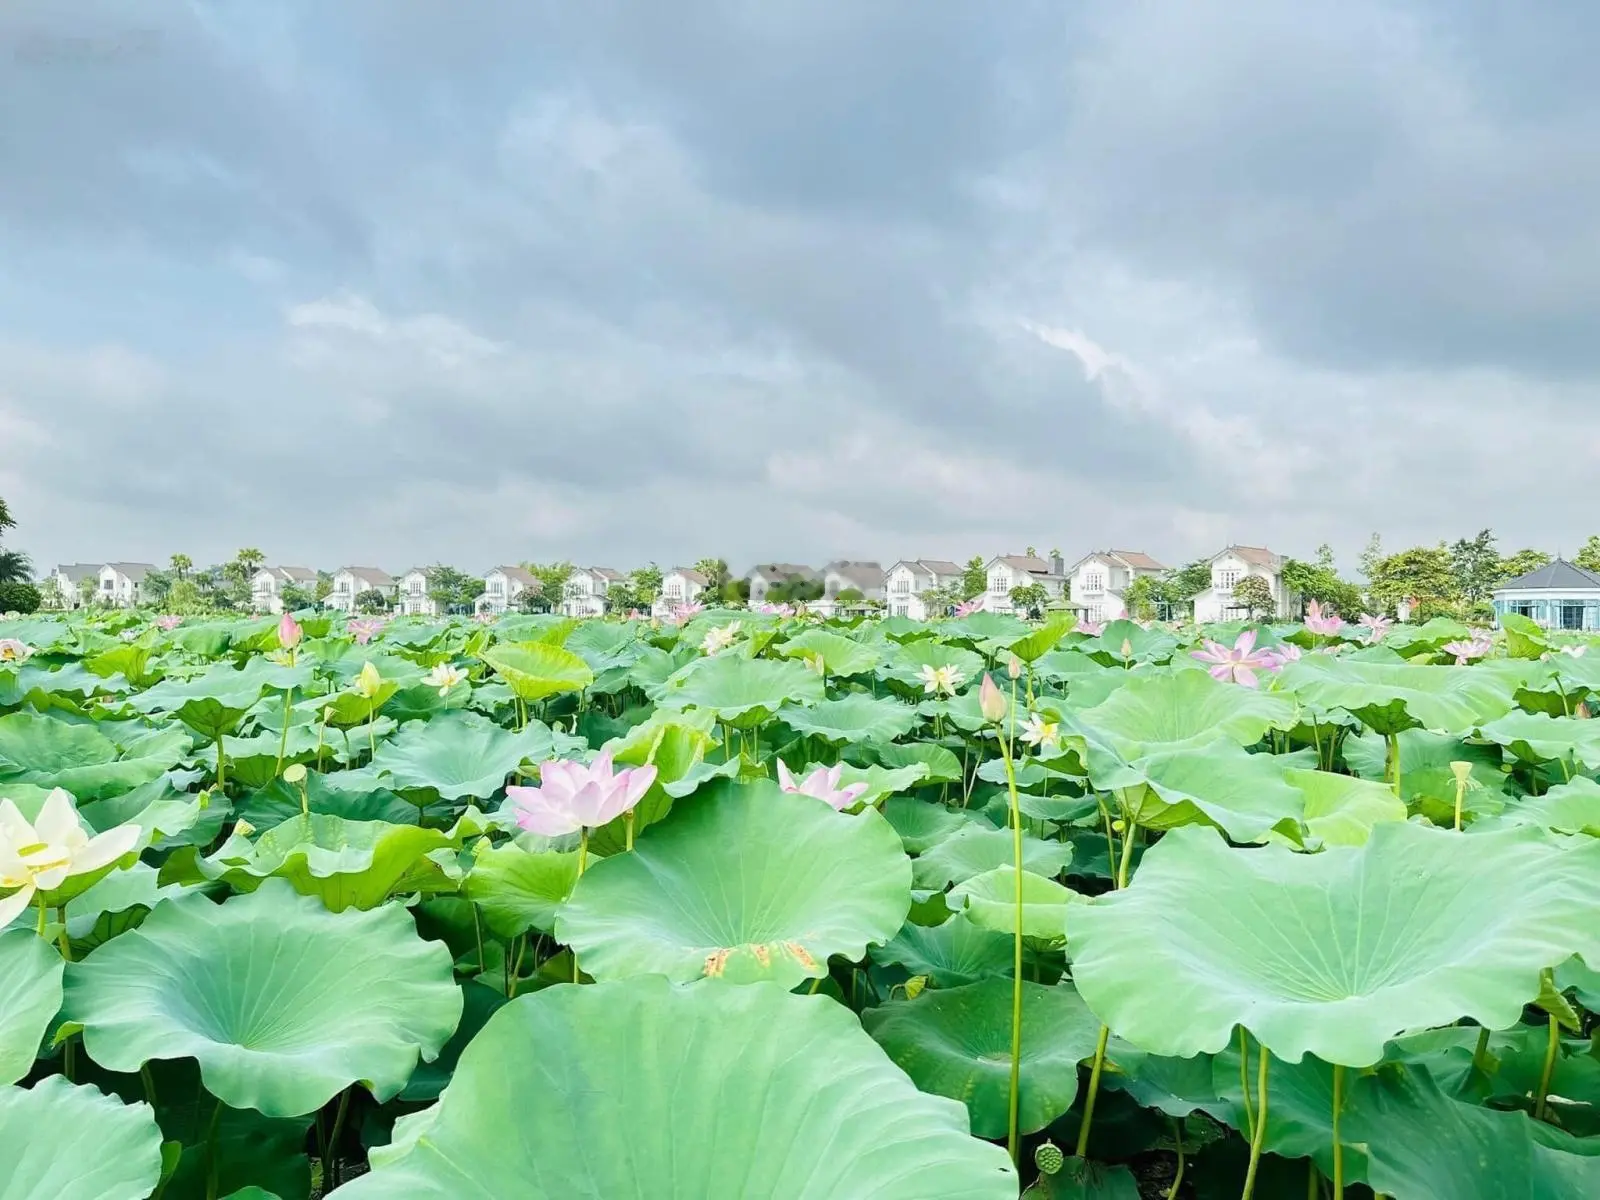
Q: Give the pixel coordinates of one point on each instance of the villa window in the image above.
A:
(1225, 579)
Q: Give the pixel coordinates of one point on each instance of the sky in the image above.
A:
(392, 282)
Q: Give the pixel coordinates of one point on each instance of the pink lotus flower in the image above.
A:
(1376, 627)
(1240, 664)
(1465, 652)
(486, 617)
(1286, 652)
(823, 783)
(1318, 622)
(777, 610)
(1091, 628)
(364, 629)
(683, 612)
(168, 623)
(571, 796)
(289, 632)
(967, 608)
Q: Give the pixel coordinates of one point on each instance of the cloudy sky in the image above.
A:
(397, 281)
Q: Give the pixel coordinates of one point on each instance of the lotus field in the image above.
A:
(747, 905)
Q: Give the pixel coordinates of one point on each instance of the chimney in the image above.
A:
(1058, 565)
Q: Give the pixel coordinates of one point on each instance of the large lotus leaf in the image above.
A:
(980, 847)
(840, 656)
(950, 954)
(1424, 1145)
(779, 1096)
(1389, 697)
(1039, 642)
(1566, 808)
(272, 994)
(344, 863)
(114, 905)
(1340, 810)
(956, 1042)
(605, 646)
(1427, 782)
(1332, 953)
(75, 1143)
(537, 670)
(1000, 629)
(747, 883)
(1535, 737)
(1243, 794)
(921, 824)
(1143, 645)
(908, 659)
(743, 692)
(942, 766)
(30, 994)
(212, 703)
(857, 717)
(520, 889)
(461, 754)
(989, 900)
(1183, 709)
(50, 753)
(337, 794)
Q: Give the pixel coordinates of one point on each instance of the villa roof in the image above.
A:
(1556, 575)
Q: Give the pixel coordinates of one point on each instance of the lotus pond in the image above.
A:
(754, 906)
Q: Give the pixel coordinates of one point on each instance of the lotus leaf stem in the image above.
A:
(330, 1157)
(1338, 1144)
(1244, 1084)
(1084, 1125)
(222, 763)
(1394, 761)
(1177, 1179)
(583, 860)
(372, 737)
(477, 933)
(283, 738)
(1261, 1127)
(44, 913)
(1551, 1047)
(1013, 1141)
(211, 1152)
(1480, 1054)
(149, 1084)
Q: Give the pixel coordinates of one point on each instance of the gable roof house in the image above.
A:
(868, 578)
(1558, 595)
(350, 582)
(267, 584)
(69, 577)
(1228, 567)
(1098, 580)
(585, 592)
(1008, 571)
(679, 586)
(504, 587)
(122, 583)
(906, 582)
(412, 596)
(764, 577)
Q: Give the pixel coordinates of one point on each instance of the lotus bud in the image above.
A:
(243, 828)
(289, 632)
(991, 703)
(1049, 1159)
(1014, 667)
(1127, 648)
(1582, 711)
(369, 681)
(294, 773)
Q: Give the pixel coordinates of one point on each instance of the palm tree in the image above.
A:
(15, 567)
(181, 565)
(6, 519)
(250, 561)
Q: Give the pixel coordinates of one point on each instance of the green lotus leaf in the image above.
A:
(922, 825)
(346, 864)
(1390, 697)
(461, 754)
(1243, 794)
(1038, 642)
(950, 954)
(1566, 808)
(780, 1096)
(479, 1003)
(337, 794)
(519, 889)
(252, 1151)
(213, 703)
(604, 646)
(548, 628)
(75, 1143)
(1424, 1145)
(1427, 782)
(841, 656)
(114, 905)
(1340, 810)
(537, 670)
(1332, 953)
(1186, 709)
(272, 994)
(978, 848)
(1178, 1087)
(999, 628)
(881, 782)
(1145, 645)
(49, 752)
(1537, 737)
(745, 883)
(1525, 638)
(857, 717)
(30, 995)
(743, 692)
(942, 766)
(956, 1042)
(989, 901)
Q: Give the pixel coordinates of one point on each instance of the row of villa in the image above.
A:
(1558, 595)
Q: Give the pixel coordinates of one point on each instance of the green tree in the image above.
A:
(1189, 580)
(1140, 599)
(1314, 581)
(1522, 562)
(372, 601)
(552, 579)
(324, 585)
(156, 586)
(736, 591)
(17, 596)
(1325, 559)
(7, 521)
(1030, 599)
(646, 584)
(88, 589)
(451, 589)
(185, 598)
(1370, 557)
(295, 597)
(716, 572)
(1422, 572)
(1254, 595)
(974, 578)
(1589, 557)
(180, 565)
(1475, 563)
(15, 566)
(795, 591)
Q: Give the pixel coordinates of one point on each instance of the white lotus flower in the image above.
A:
(721, 638)
(942, 681)
(1039, 733)
(444, 677)
(11, 650)
(43, 854)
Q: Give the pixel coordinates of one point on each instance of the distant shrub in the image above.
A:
(372, 601)
(19, 597)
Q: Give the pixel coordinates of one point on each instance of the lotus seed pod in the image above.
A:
(1049, 1159)
(294, 773)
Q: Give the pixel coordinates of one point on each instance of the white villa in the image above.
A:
(1098, 579)
(909, 578)
(1228, 567)
(122, 583)
(1558, 595)
(504, 587)
(267, 584)
(585, 592)
(1009, 571)
(868, 578)
(679, 586)
(765, 576)
(68, 579)
(350, 582)
(414, 599)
